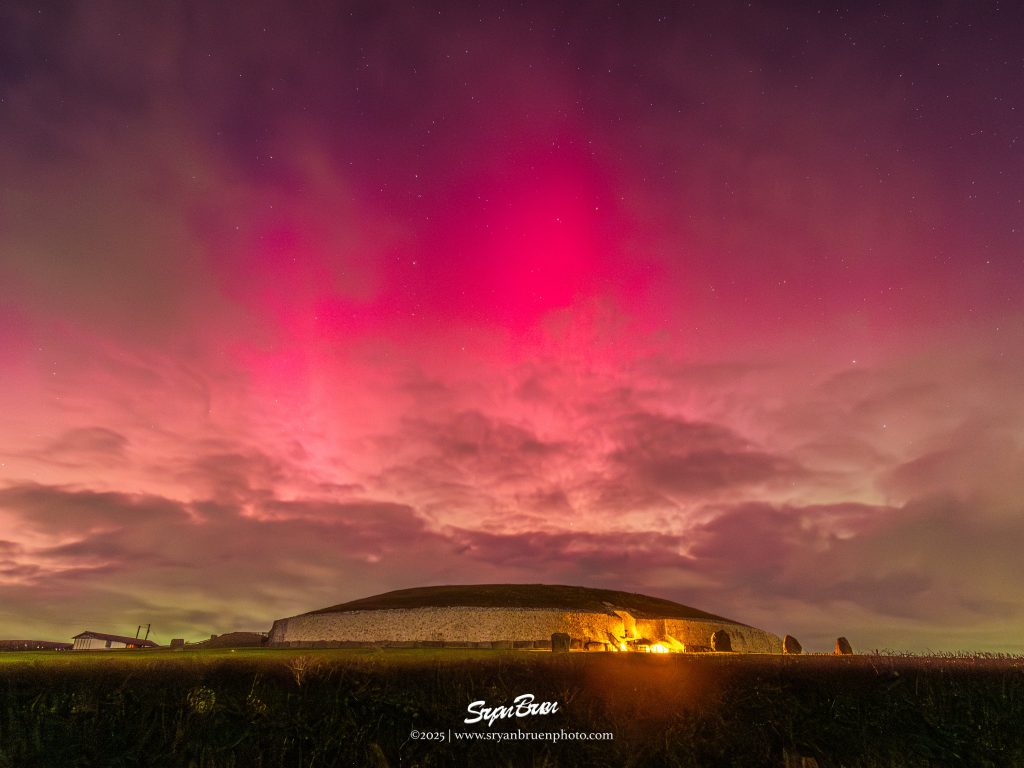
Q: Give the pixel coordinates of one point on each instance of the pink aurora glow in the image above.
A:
(296, 310)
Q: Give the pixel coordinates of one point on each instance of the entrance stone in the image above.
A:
(560, 642)
(791, 645)
(720, 641)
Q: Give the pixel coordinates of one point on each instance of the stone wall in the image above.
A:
(469, 626)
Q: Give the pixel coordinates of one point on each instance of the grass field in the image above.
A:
(357, 707)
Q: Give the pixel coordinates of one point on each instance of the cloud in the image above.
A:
(481, 444)
(977, 460)
(233, 473)
(886, 575)
(551, 503)
(7, 547)
(690, 459)
(606, 455)
(58, 511)
(901, 571)
(122, 557)
(86, 445)
(594, 556)
(469, 460)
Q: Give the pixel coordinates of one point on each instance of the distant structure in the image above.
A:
(99, 641)
(33, 645)
(519, 616)
(233, 640)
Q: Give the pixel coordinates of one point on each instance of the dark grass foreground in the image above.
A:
(357, 708)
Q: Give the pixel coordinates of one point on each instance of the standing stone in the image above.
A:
(720, 641)
(843, 647)
(791, 645)
(560, 642)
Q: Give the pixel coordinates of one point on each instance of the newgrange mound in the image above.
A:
(517, 616)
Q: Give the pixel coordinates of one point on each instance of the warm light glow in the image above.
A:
(658, 648)
(623, 646)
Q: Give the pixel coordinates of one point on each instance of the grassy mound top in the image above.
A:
(526, 596)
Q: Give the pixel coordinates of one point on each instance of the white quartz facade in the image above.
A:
(457, 625)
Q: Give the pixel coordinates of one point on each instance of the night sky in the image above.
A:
(720, 302)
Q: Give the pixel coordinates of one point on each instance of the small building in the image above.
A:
(99, 641)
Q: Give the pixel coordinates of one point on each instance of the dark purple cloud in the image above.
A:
(86, 445)
(691, 458)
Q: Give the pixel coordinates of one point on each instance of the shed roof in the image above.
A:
(117, 639)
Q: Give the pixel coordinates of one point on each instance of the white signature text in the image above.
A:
(521, 706)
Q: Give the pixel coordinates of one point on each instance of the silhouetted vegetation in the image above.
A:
(263, 708)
